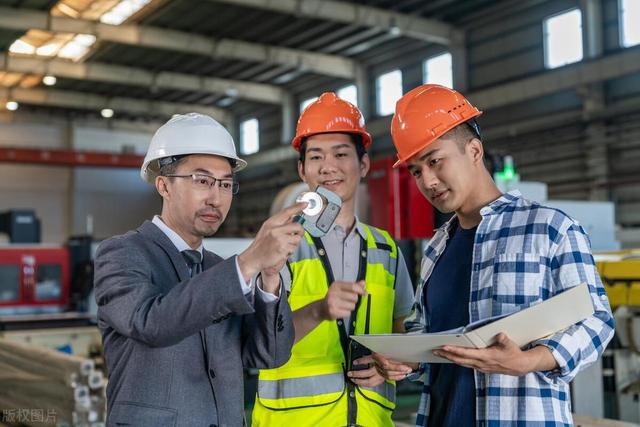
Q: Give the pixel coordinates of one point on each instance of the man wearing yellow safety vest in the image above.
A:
(352, 281)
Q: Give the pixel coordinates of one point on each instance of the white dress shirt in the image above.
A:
(181, 245)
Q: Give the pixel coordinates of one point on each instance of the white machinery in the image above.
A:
(226, 247)
(597, 218)
(626, 361)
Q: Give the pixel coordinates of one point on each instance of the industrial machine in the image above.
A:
(33, 279)
(400, 207)
(21, 225)
(37, 278)
(620, 274)
(50, 347)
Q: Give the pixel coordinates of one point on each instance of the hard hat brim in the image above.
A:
(366, 137)
(429, 141)
(148, 173)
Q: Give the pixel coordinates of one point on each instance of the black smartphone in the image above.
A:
(356, 351)
(361, 367)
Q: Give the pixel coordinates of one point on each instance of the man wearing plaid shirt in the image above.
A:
(499, 253)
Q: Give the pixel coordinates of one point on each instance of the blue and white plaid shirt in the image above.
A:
(524, 253)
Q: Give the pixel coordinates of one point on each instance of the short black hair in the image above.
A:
(355, 138)
(463, 133)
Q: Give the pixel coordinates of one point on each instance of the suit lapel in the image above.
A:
(154, 233)
(209, 259)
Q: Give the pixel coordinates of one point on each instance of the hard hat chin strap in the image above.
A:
(473, 124)
(172, 159)
(168, 160)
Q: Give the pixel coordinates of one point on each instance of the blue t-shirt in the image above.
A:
(453, 398)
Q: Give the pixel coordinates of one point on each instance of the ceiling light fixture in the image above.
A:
(107, 113)
(49, 80)
(12, 105)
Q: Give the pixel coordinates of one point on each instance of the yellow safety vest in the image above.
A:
(311, 389)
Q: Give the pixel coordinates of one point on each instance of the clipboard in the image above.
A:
(523, 327)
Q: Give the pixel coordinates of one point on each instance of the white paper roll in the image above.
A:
(314, 201)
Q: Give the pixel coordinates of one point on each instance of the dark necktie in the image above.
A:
(194, 261)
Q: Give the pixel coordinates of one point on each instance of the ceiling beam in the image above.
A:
(86, 101)
(180, 41)
(43, 156)
(118, 74)
(566, 78)
(570, 77)
(50, 117)
(553, 81)
(429, 30)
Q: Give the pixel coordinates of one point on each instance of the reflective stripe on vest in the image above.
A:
(314, 375)
(386, 390)
(301, 387)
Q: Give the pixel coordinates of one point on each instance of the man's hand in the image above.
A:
(341, 299)
(392, 369)
(276, 240)
(338, 303)
(369, 377)
(503, 357)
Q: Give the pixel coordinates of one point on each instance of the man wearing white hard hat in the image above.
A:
(178, 322)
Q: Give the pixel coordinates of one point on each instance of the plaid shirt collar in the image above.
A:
(493, 208)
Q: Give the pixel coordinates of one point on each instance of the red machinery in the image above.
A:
(400, 207)
(34, 279)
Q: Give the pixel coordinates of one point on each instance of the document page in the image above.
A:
(412, 347)
(533, 323)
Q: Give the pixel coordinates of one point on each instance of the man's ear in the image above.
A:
(365, 164)
(476, 151)
(301, 171)
(161, 186)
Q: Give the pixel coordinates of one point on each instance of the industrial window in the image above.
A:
(249, 136)
(9, 283)
(629, 18)
(349, 93)
(304, 104)
(122, 11)
(563, 39)
(69, 45)
(48, 282)
(388, 92)
(438, 70)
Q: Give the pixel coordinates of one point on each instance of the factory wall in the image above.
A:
(64, 197)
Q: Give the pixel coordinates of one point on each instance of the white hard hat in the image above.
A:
(185, 134)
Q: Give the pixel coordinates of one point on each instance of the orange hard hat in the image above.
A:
(424, 114)
(330, 114)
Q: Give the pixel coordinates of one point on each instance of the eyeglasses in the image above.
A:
(206, 182)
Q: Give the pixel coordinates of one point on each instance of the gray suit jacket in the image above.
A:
(175, 346)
